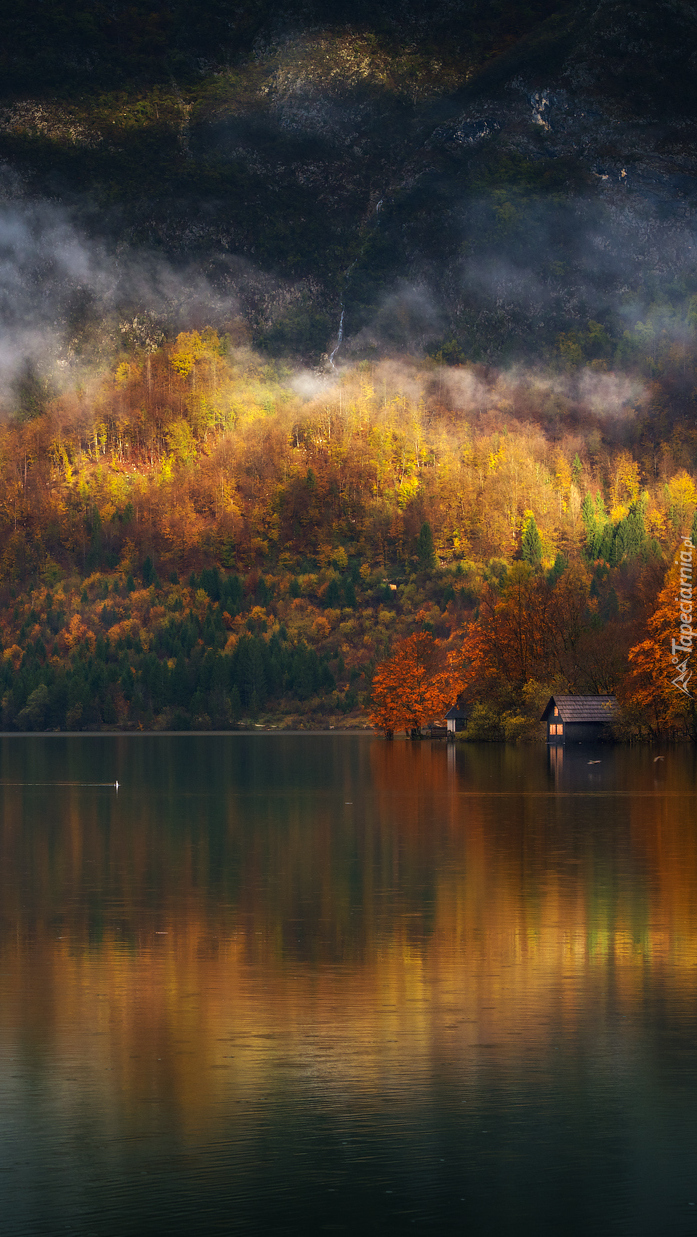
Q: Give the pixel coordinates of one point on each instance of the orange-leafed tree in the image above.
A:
(508, 643)
(417, 683)
(661, 681)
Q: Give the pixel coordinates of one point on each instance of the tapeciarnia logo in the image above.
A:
(684, 599)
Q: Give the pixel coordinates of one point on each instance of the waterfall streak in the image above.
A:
(340, 336)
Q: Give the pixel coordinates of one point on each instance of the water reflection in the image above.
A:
(334, 960)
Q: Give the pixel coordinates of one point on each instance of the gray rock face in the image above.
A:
(400, 188)
(566, 183)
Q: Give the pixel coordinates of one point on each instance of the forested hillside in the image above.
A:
(200, 537)
(320, 328)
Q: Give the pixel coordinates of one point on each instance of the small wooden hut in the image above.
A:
(456, 719)
(579, 719)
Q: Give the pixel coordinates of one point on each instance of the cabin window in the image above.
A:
(556, 729)
(556, 711)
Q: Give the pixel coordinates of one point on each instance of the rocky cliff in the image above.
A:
(481, 181)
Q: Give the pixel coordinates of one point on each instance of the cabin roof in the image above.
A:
(459, 712)
(582, 708)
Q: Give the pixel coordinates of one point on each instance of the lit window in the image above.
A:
(556, 711)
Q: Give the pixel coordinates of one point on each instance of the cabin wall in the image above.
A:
(585, 732)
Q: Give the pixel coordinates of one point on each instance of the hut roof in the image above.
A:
(582, 708)
(459, 712)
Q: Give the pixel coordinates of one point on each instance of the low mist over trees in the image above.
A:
(196, 536)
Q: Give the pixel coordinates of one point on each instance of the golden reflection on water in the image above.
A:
(371, 912)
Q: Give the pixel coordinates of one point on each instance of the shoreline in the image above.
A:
(325, 732)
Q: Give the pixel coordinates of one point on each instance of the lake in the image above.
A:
(300, 984)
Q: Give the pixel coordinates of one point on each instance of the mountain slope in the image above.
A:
(482, 182)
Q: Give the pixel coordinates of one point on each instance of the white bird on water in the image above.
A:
(595, 762)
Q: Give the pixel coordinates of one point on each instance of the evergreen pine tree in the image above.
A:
(635, 529)
(531, 545)
(590, 524)
(606, 543)
(235, 703)
(611, 607)
(95, 551)
(350, 593)
(250, 674)
(425, 548)
(560, 565)
(332, 596)
(588, 515)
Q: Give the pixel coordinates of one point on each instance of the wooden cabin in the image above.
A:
(579, 719)
(456, 719)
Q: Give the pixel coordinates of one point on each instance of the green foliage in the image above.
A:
(517, 727)
(484, 725)
(613, 543)
(610, 605)
(184, 678)
(425, 548)
(33, 715)
(449, 352)
(301, 331)
(590, 521)
(328, 496)
(591, 345)
(531, 543)
(332, 596)
(32, 393)
(629, 536)
(350, 599)
(557, 570)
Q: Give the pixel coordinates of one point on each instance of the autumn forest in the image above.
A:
(198, 537)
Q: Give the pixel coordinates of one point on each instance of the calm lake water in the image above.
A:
(307, 984)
